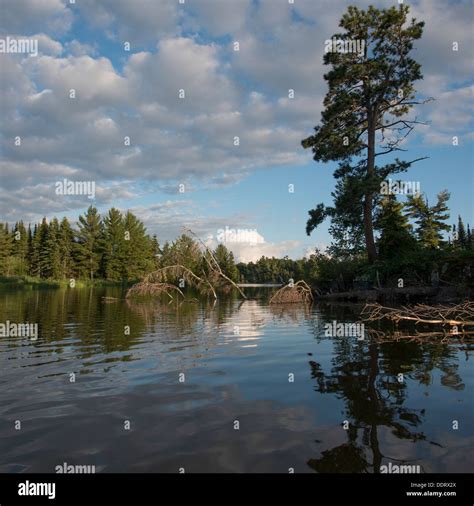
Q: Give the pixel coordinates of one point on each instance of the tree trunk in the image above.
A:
(369, 229)
(374, 400)
(368, 225)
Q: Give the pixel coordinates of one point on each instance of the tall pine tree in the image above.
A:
(370, 91)
(52, 252)
(226, 261)
(138, 254)
(430, 220)
(89, 246)
(41, 250)
(395, 238)
(115, 250)
(5, 249)
(66, 249)
(20, 248)
(461, 235)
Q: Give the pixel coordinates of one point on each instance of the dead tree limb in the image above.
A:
(214, 264)
(148, 288)
(291, 293)
(157, 282)
(459, 314)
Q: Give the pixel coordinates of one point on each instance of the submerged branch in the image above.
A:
(291, 293)
(147, 288)
(157, 282)
(460, 314)
(214, 265)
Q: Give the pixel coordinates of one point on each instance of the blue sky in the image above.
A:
(228, 93)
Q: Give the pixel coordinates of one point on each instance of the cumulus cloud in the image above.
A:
(451, 114)
(32, 16)
(229, 95)
(252, 252)
(248, 245)
(136, 22)
(218, 18)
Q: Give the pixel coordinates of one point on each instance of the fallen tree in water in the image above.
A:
(455, 315)
(210, 278)
(147, 288)
(158, 282)
(444, 336)
(213, 264)
(293, 292)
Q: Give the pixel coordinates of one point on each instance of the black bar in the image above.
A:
(239, 489)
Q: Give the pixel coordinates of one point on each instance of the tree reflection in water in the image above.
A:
(365, 375)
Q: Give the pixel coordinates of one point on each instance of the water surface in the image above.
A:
(236, 361)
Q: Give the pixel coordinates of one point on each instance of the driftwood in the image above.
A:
(456, 315)
(149, 288)
(157, 282)
(422, 337)
(291, 293)
(213, 264)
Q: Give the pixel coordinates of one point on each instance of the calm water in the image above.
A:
(236, 358)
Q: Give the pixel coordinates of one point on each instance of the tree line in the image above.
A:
(414, 241)
(115, 248)
(366, 119)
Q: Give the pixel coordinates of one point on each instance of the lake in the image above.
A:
(235, 386)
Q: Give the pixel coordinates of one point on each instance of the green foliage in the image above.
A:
(117, 249)
(278, 270)
(368, 92)
(114, 246)
(461, 238)
(155, 253)
(430, 221)
(455, 267)
(66, 249)
(183, 251)
(52, 254)
(395, 239)
(338, 274)
(20, 247)
(469, 241)
(41, 252)
(226, 261)
(5, 249)
(137, 248)
(89, 247)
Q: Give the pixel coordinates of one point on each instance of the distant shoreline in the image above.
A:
(25, 281)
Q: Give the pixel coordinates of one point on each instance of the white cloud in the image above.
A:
(218, 17)
(248, 245)
(451, 114)
(228, 93)
(31, 16)
(136, 22)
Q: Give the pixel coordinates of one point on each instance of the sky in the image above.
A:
(160, 95)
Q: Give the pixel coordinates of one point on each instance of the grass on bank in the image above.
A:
(32, 282)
